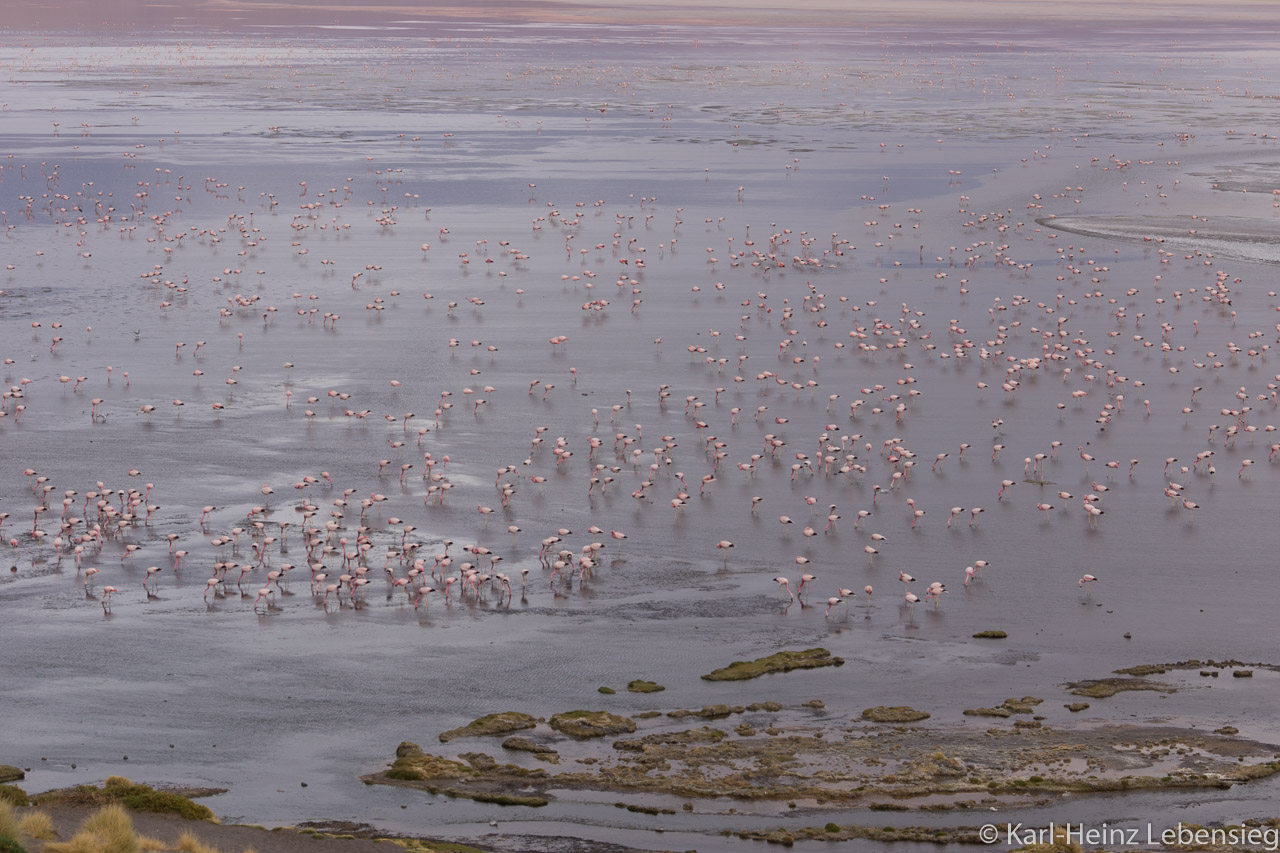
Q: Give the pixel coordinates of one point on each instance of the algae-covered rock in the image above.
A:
(607, 691)
(1227, 730)
(1023, 705)
(1073, 707)
(1242, 673)
(780, 662)
(1103, 688)
(815, 704)
(706, 734)
(523, 744)
(492, 724)
(765, 706)
(990, 635)
(592, 723)
(935, 765)
(414, 765)
(639, 686)
(894, 714)
(1145, 669)
(988, 712)
(9, 773)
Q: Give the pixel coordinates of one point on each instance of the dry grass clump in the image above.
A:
(9, 829)
(108, 830)
(37, 825)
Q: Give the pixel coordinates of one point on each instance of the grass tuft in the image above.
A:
(108, 830)
(13, 795)
(37, 825)
(189, 843)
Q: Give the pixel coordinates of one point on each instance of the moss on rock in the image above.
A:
(639, 686)
(894, 714)
(492, 724)
(592, 723)
(780, 662)
(1104, 688)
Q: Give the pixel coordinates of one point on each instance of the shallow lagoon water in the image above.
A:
(635, 141)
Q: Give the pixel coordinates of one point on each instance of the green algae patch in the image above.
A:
(1074, 707)
(1104, 688)
(639, 686)
(780, 662)
(990, 635)
(585, 724)
(894, 714)
(492, 724)
(607, 691)
(133, 796)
